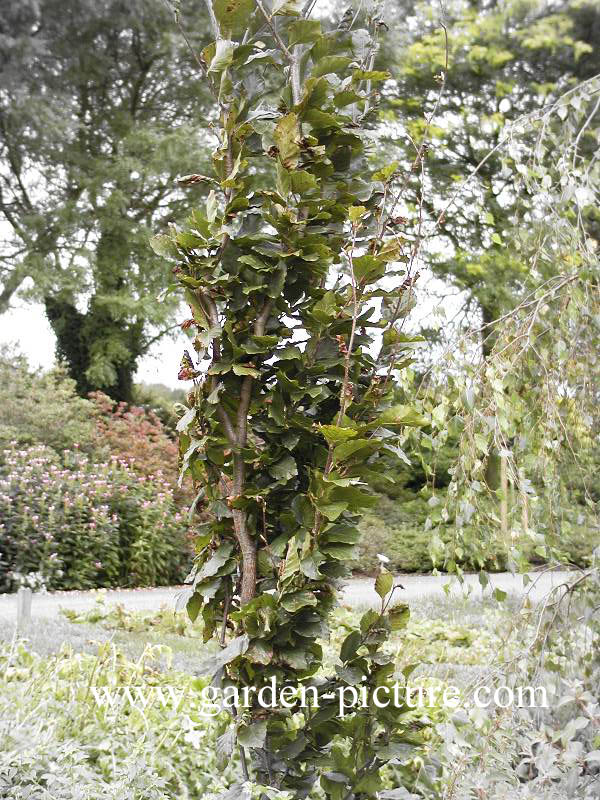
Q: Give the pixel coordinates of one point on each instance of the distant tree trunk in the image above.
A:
(67, 323)
(101, 345)
(488, 314)
(80, 336)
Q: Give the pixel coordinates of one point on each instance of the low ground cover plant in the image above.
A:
(80, 747)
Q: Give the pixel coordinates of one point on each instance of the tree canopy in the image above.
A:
(100, 112)
(504, 61)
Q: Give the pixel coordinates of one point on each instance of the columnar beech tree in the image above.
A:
(291, 415)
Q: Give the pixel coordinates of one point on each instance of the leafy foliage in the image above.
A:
(288, 420)
(70, 523)
(99, 114)
(80, 748)
(41, 407)
(534, 400)
(505, 62)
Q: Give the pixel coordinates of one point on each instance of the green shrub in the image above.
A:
(160, 400)
(41, 408)
(69, 523)
(407, 548)
(396, 529)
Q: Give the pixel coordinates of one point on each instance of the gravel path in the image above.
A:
(358, 592)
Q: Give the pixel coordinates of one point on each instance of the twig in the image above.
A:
(280, 43)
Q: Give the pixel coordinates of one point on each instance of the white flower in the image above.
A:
(383, 559)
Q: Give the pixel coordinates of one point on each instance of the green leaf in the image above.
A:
(340, 552)
(326, 308)
(402, 415)
(296, 600)
(291, 565)
(346, 534)
(285, 469)
(260, 344)
(289, 353)
(286, 138)
(399, 616)
(234, 16)
(259, 652)
(370, 75)
(208, 589)
(215, 562)
(356, 212)
(332, 510)
(304, 31)
(163, 245)
(386, 172)
(345, 98)
(310, 566)
(224, 746)
(189, 240)
(234, 649)
(335, 434)
(186, 420)
(294, 657)
(350, 645)
(241, 369)
(193, 606)
(256, 263)
(368, 619)
(303, 181)
(368, 268)
(211, 206)
(253, 735)
(354, 496)
(223, 55)
(286, 7)
(343, 451)
(368, 785)
(321, 119)
(384, 583)
(329, 64)
(350, 675)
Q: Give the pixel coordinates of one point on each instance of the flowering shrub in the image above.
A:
(77, 524)
(137, 436)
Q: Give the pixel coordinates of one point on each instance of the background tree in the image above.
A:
(505, 61)
(98, 115)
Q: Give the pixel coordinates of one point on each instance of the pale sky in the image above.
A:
(26, 326)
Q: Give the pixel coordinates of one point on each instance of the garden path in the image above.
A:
(358, 592)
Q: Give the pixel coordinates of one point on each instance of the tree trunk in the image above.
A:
(102, 345)
(80, 337)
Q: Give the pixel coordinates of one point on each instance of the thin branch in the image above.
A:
(280, 43)
(148, 344)
(213, 19)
